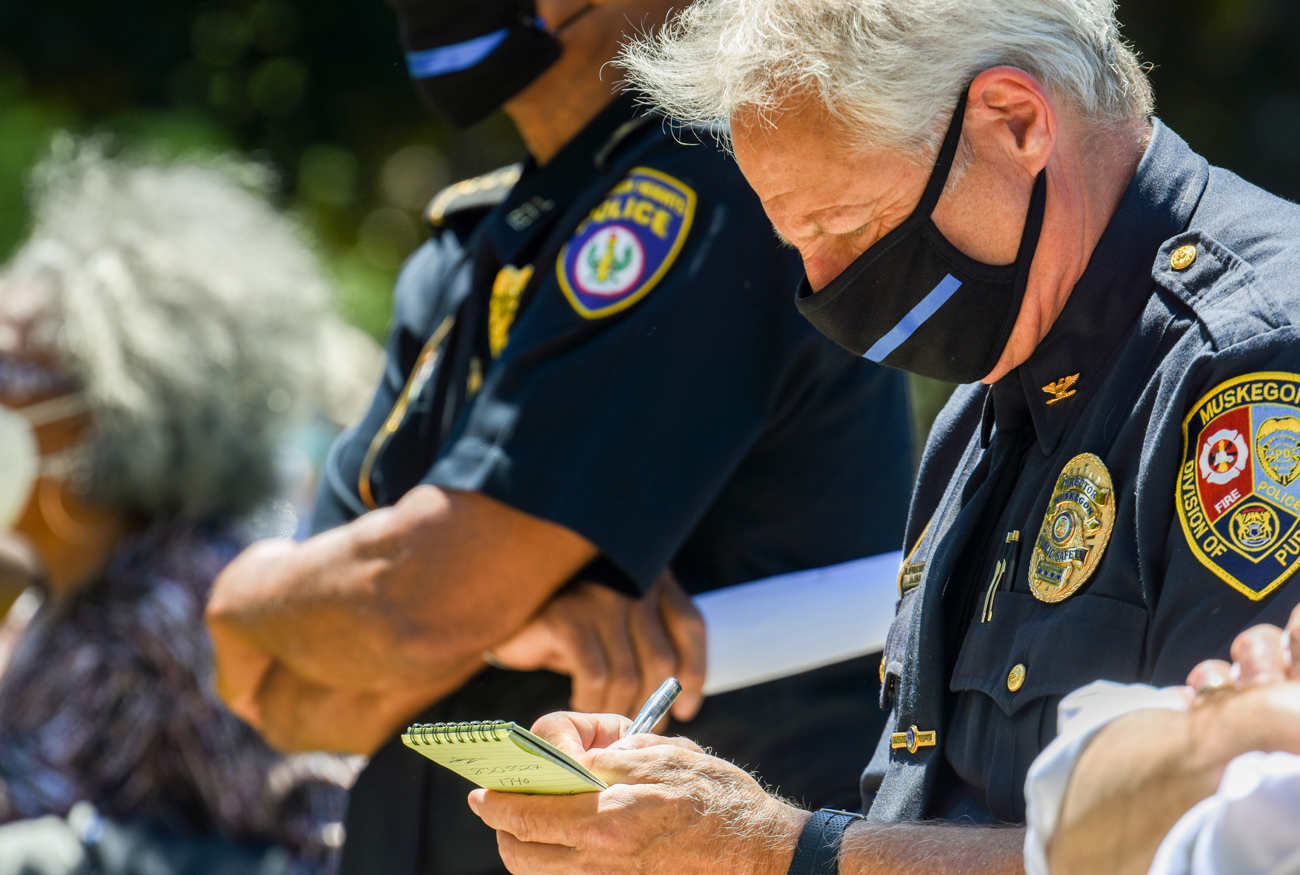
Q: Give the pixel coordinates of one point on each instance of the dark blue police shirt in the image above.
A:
(707, 425)
(1155, 343)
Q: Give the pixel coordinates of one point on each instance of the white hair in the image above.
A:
(891, 70)
(193, 316)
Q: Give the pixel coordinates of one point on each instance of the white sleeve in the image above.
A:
(1081, 715)
(1251, 826)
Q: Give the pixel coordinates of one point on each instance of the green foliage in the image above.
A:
(317, 90)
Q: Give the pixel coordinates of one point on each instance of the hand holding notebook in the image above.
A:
(503, 756)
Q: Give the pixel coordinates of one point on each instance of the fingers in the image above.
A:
(654, 649)
(531, 858)
(624, 683)
(1211, 675)
(547, 820)
(685, 627)
(575, 733)
(588, 667)
(1260, 656)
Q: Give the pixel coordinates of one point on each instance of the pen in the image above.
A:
(655, 707)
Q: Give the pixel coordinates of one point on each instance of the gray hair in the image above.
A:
(891, 70)
(193, 316)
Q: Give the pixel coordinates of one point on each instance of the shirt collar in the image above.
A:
(545, 192)
(1113, 290)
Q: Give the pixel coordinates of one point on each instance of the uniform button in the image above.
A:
(882, 669)
(1183, 257)
(1016, 679)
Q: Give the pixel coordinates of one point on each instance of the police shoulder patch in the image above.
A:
(626, 244)
(1238, 494)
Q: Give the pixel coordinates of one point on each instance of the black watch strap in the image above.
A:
(818, 851)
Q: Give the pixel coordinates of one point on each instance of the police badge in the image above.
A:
(626, 244)
(1237, 495)
(1075, 531)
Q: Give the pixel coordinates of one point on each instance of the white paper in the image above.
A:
(792, 623)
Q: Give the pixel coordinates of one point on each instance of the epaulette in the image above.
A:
(479, 193)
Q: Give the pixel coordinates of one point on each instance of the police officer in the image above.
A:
(979, 194)
(595, 371)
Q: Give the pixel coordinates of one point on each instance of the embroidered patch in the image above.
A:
(626, 244)
(1238, 496)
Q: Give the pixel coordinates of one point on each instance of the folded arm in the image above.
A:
(384, 615)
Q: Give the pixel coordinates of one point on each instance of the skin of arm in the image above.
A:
(1143, 771)
(390, 612)
(671, 808)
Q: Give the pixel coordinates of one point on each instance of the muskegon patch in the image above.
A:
(626, 244)
(1238, 491)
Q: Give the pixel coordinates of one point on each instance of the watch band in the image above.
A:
(818, 850)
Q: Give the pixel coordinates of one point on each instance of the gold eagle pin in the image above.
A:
(1061, 389)
(1075, 531)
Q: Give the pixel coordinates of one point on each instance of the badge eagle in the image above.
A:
(1238, 497)
(626, 244)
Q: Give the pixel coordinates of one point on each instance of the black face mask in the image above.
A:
(468, 57)
(913, 301)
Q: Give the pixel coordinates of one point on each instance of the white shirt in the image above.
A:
(1250, 826)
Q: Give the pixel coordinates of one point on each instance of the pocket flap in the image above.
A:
(1057, 647)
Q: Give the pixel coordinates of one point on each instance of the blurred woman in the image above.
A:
(158, 332)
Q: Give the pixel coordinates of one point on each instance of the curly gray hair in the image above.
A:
(890, 69)
(191, 312)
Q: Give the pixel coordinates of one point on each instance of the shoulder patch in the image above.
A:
(480, 193)
(626, 244)
(1238, 492)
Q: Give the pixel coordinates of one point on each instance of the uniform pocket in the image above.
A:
(900, 633)
(1032, 649)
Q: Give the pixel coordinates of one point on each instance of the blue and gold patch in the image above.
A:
(1238, 491)
(626, 244)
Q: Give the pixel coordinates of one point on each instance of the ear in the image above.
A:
(1007, 109)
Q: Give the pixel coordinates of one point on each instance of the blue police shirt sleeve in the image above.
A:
(627, 427)
(337, 498)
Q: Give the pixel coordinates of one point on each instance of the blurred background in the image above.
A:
(317, 90)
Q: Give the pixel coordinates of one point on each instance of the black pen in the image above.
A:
(655, 707)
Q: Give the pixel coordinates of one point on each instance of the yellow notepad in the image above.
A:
(501, 756)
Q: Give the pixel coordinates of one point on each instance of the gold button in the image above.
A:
(1016, 679)
(1183, 257)
(882, 669)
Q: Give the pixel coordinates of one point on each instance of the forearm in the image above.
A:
(399, 595)
(299, 715)
(1131, 785)
(931, 848)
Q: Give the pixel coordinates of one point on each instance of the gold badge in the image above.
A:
(507, 289)
(1061, 389)
(1080, 517)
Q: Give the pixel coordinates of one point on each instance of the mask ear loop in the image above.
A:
(944, 160)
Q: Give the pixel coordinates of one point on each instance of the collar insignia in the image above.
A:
(507, 289)
(1061, 389)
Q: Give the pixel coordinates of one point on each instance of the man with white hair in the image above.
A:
(980, 194)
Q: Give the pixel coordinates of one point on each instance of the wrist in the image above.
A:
(786, 824)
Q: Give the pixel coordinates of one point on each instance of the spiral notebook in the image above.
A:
(501, 756)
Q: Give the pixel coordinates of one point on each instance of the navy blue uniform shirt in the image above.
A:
(626, 361)
(1120, 506)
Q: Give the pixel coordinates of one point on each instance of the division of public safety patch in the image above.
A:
(1075, 531)
(626, 244)
(1238, 496)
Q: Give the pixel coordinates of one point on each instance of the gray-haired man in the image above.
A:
(979, 194)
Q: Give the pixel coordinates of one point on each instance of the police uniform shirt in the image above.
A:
(1119, 507)
(626, 361)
